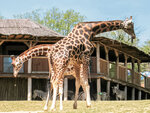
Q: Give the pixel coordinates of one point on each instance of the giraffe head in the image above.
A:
(128, 27)
(17, 64)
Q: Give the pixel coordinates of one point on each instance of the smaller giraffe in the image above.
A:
(39, 50)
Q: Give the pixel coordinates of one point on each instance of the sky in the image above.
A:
(94, 10)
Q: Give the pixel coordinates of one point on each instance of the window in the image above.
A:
(8, 68)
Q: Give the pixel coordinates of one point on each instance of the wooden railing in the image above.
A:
(104, 67)
(122, 73)
(40, 65)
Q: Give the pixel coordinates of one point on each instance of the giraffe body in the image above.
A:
(76, 49)
(39, 50)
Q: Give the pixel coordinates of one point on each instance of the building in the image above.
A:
(109, 65)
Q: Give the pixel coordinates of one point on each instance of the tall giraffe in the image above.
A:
(39, 50)
(76, 49)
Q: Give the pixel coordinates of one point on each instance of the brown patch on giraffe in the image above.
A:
(96, 28)
(76, 41)
(72, 42)
(77, 33)
(103, 25)
(81, 32)
(69, 47)
(86, 35)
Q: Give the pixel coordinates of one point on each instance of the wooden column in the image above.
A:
(133, 66)
(65, 89)
(98, 70)
(139, 70)
(107, 59)
(146, 96)
(98, 57)
(125, 64)
(133, 93)
(108, 88)
(98, 89)
(126, 92)
(139, 95)
(117, 64)
(29, 95)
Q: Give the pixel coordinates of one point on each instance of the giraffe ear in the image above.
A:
(12, 57)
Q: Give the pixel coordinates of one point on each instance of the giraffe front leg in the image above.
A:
(47, 100)
(84, 82)
(55, 87)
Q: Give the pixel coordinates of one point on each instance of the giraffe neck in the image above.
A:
(90, 29)
(39, 50)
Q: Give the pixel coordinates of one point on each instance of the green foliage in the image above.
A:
(146, 47)
(59, 21)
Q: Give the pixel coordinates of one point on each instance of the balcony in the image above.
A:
(107, 69)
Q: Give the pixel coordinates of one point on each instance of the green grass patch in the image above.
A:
(97, 106)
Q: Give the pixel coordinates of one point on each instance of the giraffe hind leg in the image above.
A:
(84, 83)
(61, 93)
(55, 88)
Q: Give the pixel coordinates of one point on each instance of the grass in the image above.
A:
(97, 106)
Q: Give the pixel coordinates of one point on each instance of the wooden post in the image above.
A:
(107, 59)
(66, 89)
(98, 89)
(133, 66)
(117, 64)
(126, 70)
(29, 95)
(146, 96)
(98, 70)
(139, 70)
(139, 95)
(126, 92)
(133, 93)
(108, 88)
(98, 57)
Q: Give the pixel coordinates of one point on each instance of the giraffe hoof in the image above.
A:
(61, 108)
(45, 108)
(88, 106)
(52, 109)
(74, 106)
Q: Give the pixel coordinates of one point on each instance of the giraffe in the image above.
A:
(76, 49)
(39, 50)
